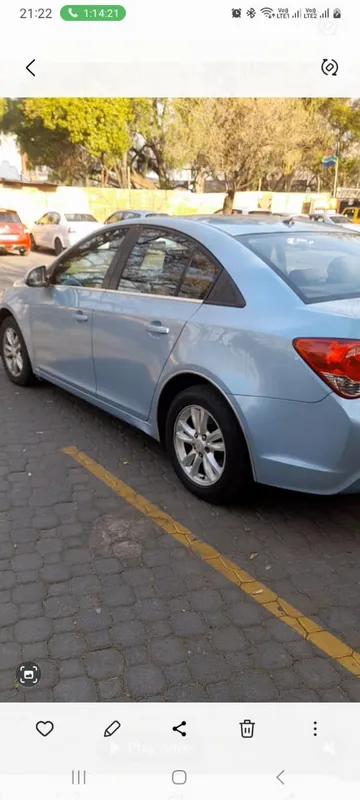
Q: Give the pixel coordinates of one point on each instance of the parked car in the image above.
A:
(332, 218)
(57, 230)
(14, 236)
(217, 336)
(119, 216)
(246, 211)
(234, 211)
(352, 213)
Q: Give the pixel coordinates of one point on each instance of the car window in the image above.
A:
(199, 277)
(88, 264)
(130, 215)
(318, 266)
(350, 212)
(80, 218)
(44, 220)
(114, 218)
(338, 219)
(9, 216)
(156, 263)
(53, 218)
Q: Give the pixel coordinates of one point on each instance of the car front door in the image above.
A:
(51, 229)
(140, 318)
(61, 314)
(39, 230)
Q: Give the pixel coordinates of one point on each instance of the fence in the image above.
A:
(31, 202)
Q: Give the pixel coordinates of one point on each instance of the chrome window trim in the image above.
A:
(131, 294)
(154, 296)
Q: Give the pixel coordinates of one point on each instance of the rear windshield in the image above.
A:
(318, 266)
(80, 218)
(9, 216)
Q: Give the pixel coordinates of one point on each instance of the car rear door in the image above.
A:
(140, 318)
(61, 315)
(77, 226)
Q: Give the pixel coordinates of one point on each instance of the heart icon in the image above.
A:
(44, 728)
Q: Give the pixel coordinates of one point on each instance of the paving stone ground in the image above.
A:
(112, 608)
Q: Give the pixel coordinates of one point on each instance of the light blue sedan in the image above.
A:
(234, 341)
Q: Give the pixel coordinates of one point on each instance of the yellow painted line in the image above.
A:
(340, 652)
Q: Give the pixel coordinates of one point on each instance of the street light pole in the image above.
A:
(336, 171)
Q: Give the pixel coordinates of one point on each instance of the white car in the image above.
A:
(57, 230)
(332, 218)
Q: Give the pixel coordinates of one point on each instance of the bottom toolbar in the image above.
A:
(173, 751)
(179, 785)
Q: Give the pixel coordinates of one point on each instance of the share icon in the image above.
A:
(177, 728)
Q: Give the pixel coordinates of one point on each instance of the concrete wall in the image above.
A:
(31, 202)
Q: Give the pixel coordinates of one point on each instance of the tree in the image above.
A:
(190, 138)
(69, 163)
(99, 125)
(154, 131)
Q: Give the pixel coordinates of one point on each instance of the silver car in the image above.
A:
(119, 216)
(235, 341)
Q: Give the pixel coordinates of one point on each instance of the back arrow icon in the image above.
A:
(28, 67)
(278, 777)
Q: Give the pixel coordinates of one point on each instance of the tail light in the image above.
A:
(336, 361)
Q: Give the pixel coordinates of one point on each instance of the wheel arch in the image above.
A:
(185, 380)
(4, 313)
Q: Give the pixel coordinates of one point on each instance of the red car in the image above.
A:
(14, 236)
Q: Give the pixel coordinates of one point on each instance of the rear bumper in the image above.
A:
(305, 447)
(20, 243)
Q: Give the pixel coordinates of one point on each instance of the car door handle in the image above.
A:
(156, 327)
(80, 316)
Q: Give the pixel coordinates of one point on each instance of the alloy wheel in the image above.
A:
(13, 354)
(199, 445)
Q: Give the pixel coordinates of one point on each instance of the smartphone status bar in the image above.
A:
(286, 13)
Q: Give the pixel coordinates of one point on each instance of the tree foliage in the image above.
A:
(246, 142)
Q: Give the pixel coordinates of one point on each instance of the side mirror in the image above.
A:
(37, 277)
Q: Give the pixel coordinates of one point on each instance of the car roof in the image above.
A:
(8, 211)
(138, 211)
(232, 225)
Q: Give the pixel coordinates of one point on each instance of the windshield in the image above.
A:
(80, 218)
(318, 266)
(341, 219)
(9, 216)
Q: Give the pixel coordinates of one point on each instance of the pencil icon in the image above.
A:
(111, 729)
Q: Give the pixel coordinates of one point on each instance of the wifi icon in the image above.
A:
(268, 12)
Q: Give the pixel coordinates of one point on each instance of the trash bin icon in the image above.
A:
(247, 729)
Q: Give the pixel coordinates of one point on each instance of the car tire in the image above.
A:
(11, 336)
(34, 246)
(58, 247)
(23, 252)
(232, 476)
